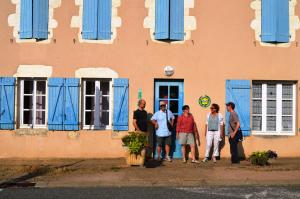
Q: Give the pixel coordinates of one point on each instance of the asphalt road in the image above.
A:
(152, 192)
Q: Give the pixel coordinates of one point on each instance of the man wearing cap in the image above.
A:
(233, 127)
(163, 134)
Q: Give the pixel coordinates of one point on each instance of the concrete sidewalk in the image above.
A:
(115, 172)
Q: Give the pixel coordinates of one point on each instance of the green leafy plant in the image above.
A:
(135, 141)
(259, 158)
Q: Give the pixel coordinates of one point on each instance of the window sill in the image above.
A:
(273, 133)
(32, 132)
(92, 128)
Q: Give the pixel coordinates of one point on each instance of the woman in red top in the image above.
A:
(186, 131)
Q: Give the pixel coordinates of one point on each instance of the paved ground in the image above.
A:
(153, 192)
(115, 172)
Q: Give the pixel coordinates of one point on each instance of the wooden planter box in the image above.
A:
(135, 160)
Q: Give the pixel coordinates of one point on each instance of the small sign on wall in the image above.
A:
(204, 101)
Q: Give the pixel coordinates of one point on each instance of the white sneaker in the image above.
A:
(194, 161)
(205, 160)
(168, 158)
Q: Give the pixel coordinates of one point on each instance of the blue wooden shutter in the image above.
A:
(89, 19)
(26, 19)
(7, 102)
(283, 23)
(121, 104)
(268, 20)
(104, 19)
(162, 19)
(55, 103)
(275, 21)
(71, 106)
(40, 19)
(238, 92)
(177, 20)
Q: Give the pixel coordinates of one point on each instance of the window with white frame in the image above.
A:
(273, 108)
(33, 103)
(97, 103)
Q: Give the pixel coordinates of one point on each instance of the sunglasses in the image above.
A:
(212, 108)
(162, 105)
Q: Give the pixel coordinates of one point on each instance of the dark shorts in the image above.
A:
(163, 140)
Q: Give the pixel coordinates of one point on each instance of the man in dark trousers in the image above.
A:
(140, 120)
(233, 127)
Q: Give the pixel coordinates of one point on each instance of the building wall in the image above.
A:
(222, 47)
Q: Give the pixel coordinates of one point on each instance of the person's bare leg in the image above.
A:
(158, 152)
(193, 151)
(183, 152)
(167, 147)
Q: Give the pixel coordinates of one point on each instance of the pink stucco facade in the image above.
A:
(222, 47)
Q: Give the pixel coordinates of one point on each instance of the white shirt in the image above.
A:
(161, 119)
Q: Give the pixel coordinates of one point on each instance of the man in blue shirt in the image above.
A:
(163, 134)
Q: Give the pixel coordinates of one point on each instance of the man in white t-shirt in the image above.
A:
(163, 134)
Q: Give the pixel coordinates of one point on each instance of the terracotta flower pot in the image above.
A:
(135, 160)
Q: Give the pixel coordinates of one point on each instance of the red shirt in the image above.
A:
(185, 124)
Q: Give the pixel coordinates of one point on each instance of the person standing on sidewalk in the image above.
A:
(140, 117)
(213, 132)
(233, 126)
(160, 120)
(186, 131)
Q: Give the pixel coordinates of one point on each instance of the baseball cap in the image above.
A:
(162, 103)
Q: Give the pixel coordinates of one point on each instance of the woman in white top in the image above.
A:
(213, 131)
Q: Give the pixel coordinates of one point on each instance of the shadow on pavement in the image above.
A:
(22, 181)
(152, 163)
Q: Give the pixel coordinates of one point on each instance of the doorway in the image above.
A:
(170, 91)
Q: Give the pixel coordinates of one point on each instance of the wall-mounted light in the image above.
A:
(169, 71)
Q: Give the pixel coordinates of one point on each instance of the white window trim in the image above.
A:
(116, 22)
(279, 99)
(14, 21)
(97, 83)
(33, 125)
(256, 23)
(190, 22)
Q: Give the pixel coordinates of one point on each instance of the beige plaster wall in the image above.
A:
(222, 47)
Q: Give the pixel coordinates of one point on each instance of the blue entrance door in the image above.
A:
(172, 93)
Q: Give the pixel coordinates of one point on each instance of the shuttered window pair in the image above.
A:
(34, 19)
(63, 113)
(63, 103)
(169, 20)
(275, 21)
(273, 106)
(96, 20)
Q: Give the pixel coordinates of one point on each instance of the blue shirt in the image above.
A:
(161, 119)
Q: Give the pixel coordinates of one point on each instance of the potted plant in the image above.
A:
(261, 158)
(135, 143)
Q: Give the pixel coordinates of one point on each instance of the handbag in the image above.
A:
(169, 125)
(239, 134)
